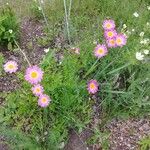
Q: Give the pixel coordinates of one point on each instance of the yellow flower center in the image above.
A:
(119, 41)
(108, 25)
(100, 51)
(10, 66)
(112, 42)
(44, 100)
(38, 90)
(92, 86)
(34, 74)
(110, 34)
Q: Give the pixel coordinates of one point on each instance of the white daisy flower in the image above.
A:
(144, 41)
(95, 42)
(141, 34)
(39, 8)
(124, 26)
(148, 7)
(46, 50)
(136, 14)
(133, 30)
(147, 23)
(139, 56)
(128, 32)
(146, 51)
(10, 31)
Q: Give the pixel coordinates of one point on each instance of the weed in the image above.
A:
(36, 10)
(9, 28)
(145, 143)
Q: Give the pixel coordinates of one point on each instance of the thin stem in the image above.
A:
(44, 16)
(69, 9)
(67, 23)
(91, 69)
(22, 53)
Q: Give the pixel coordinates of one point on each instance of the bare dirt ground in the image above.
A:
(125, 134)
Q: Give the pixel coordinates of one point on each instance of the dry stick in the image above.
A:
(67, 23)
(22, 53)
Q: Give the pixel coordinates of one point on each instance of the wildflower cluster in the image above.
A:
(142, 54)
(34, 76)
(113, 40)
(144, 41)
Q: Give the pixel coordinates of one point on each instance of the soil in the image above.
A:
(79, 141)
(31, 30)
(125, 134)
(3, 146)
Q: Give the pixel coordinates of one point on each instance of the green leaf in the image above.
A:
(9, 46)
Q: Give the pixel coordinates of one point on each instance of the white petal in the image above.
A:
(141, 42)
(39, 8)
(139, 56)
(147, 23)
(141, 34)
(146, 51)
(124, 26)
(10, 31)
(135, 14)
(46, 50)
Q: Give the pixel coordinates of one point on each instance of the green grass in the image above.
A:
(145, 143)
(124, 81)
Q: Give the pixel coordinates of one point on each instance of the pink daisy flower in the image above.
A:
(37, 90)
(109, 24)
(121, 40)
(100, 50)
(111, 43)
(92, 86)
(110, 34)
(10, 67)
(34, 74)
(44, 100)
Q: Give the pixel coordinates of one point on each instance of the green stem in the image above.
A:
(69, 9)
(22, 53)
(44, 16)
(67, 22)
(91, 69)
